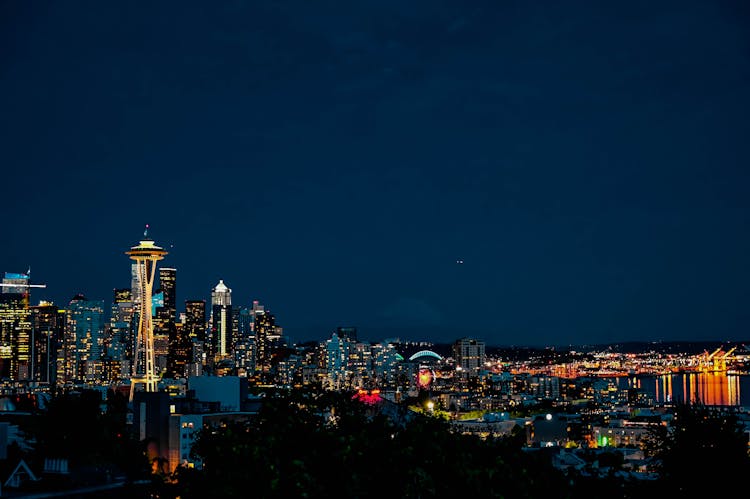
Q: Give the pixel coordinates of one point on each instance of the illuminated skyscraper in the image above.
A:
(48, 325)
(244, 343)
(168, 344)
(168, 286)
(195, 319)
(122, 327)
(83, 337)
(145, 254)
(15, 326)
(267, 335)
(15, 336)
(221, 294)
(135, 287)
(179, 351)
(221, 322)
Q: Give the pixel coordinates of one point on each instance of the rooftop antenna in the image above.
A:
(145, 231)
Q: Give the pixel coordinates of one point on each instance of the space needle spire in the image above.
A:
(146, 253)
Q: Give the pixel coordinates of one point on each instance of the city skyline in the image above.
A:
(555, 174)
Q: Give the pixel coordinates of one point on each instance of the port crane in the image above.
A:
(720, 363)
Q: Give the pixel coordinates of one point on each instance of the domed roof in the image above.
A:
(221, 287)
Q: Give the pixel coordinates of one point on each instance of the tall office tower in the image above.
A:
(83, 337)
(194, 326)
(15, 327)
(244, 342)
(244, 319)
(221, 322)
(165, 327)
(221, 294)
(168, 287)
(135, 287)
(122, 326)
(180, 352)
(266, 336)
(469, 354)
(195, 319)
(48, 326)
(145, 254)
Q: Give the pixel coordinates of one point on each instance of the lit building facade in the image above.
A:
(15, 335)
(168, 287)
(267, 336)
(221, 322)
(120, 343)
(337, 351)
(48, 325)
(195, 319)
(83, 336)
(469, 355)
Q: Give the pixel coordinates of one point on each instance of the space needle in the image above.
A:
(145, 254)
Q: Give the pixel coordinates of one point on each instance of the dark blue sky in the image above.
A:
(588, 161)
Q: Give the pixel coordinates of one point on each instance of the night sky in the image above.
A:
(587, 161)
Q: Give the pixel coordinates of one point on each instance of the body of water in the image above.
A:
(711, 388)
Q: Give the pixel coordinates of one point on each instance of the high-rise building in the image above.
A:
(135, 287)
(180, 351)
(469, 354)
(168, 345)
(15, 328)
(266, 336)
(83, 337)
(360, 363)
(121, 339)
(245, 342)
(221, 322)
(385, 358)
(221, 294)
(168, 286)
(16, 331)
(337, 352)
(48, 326)
(195, 319)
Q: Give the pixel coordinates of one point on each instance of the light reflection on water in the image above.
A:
(711, 388)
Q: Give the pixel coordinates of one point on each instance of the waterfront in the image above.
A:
(711, 388)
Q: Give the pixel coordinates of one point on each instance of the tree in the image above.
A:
(700, 446)
(328, 445)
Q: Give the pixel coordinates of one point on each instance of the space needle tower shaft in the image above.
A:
(145, 254)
